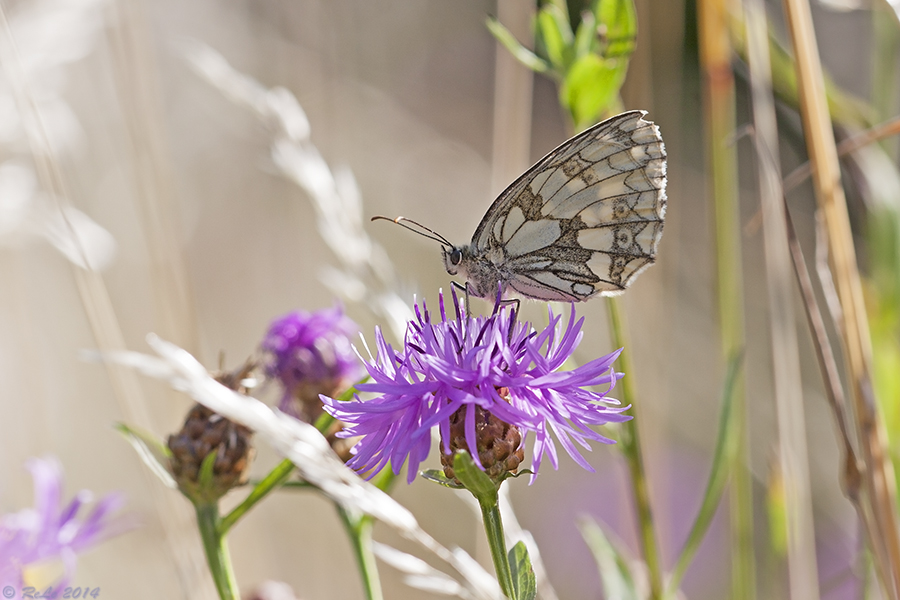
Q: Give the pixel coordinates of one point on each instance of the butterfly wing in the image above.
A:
(586, 219)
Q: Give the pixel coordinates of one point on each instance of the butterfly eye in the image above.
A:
(455, 256)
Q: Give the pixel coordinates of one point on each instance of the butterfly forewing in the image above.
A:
(587, 218)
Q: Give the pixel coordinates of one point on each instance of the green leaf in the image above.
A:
(475, 480)
(723, 459)
(151, 450)
(617, 20)
(556, 37)
(591, 86)
(437, 476)
(517, 474)
(561, 5)
(206, 475)
(586, 35)
(612, 563)
(519, 52)
(524, 582)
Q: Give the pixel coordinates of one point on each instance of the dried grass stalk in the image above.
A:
(878, 477)
(792, 445)
(136, 78)
(172, 511)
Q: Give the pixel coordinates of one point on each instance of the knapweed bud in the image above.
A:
(500, 450)
(342, 446)
(311, 354)
(205, 433)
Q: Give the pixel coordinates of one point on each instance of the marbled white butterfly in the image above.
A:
(586, 219)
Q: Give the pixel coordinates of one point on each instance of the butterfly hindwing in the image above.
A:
(587, 218)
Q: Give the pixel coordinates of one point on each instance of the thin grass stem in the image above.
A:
(136, 79)
(792, 441)
(723, 461)
(719, 115)
(631, 447)
(100, 313)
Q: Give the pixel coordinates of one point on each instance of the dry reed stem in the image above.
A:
(172, 512)
(878, 475)
(851, 475)
(848, 146)
(719, 115)
(792, 442)
(135, 75)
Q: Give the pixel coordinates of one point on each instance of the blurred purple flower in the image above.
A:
(464, 361)
(311, 354)
(52, 531)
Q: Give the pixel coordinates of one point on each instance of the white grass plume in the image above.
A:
(304, 446)
(367, 276)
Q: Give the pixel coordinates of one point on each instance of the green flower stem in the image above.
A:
(493, 526)
(277, 476)
(272, 481)
(216, 550)
(631, 448)
(359, 530)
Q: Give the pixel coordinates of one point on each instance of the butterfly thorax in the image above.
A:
(480, 270)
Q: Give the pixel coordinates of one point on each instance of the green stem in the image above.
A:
(719, 124)
(723, 463)
(277, 476)
(493, 526)
(273, 480)
(216, 550)
(631, 448)
(359, 529)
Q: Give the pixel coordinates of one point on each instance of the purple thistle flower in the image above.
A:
(50, 530)
(311, 354)
(468, 361)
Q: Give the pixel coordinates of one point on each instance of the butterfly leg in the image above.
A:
(515, 303)
(464, 289)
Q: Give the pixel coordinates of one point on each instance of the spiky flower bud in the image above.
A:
(310, 354)
(499, 444)
(206, 433)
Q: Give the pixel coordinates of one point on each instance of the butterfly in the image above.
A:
(585, 220)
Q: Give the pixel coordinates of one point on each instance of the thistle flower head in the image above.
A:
(311, 354)
(498, 364)
(52, 530)
(204, 433)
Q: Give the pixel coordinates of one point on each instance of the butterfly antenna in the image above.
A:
(431, 234)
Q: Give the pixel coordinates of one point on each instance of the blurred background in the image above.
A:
(200, 239)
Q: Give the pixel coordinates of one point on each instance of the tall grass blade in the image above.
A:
(727, 449)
